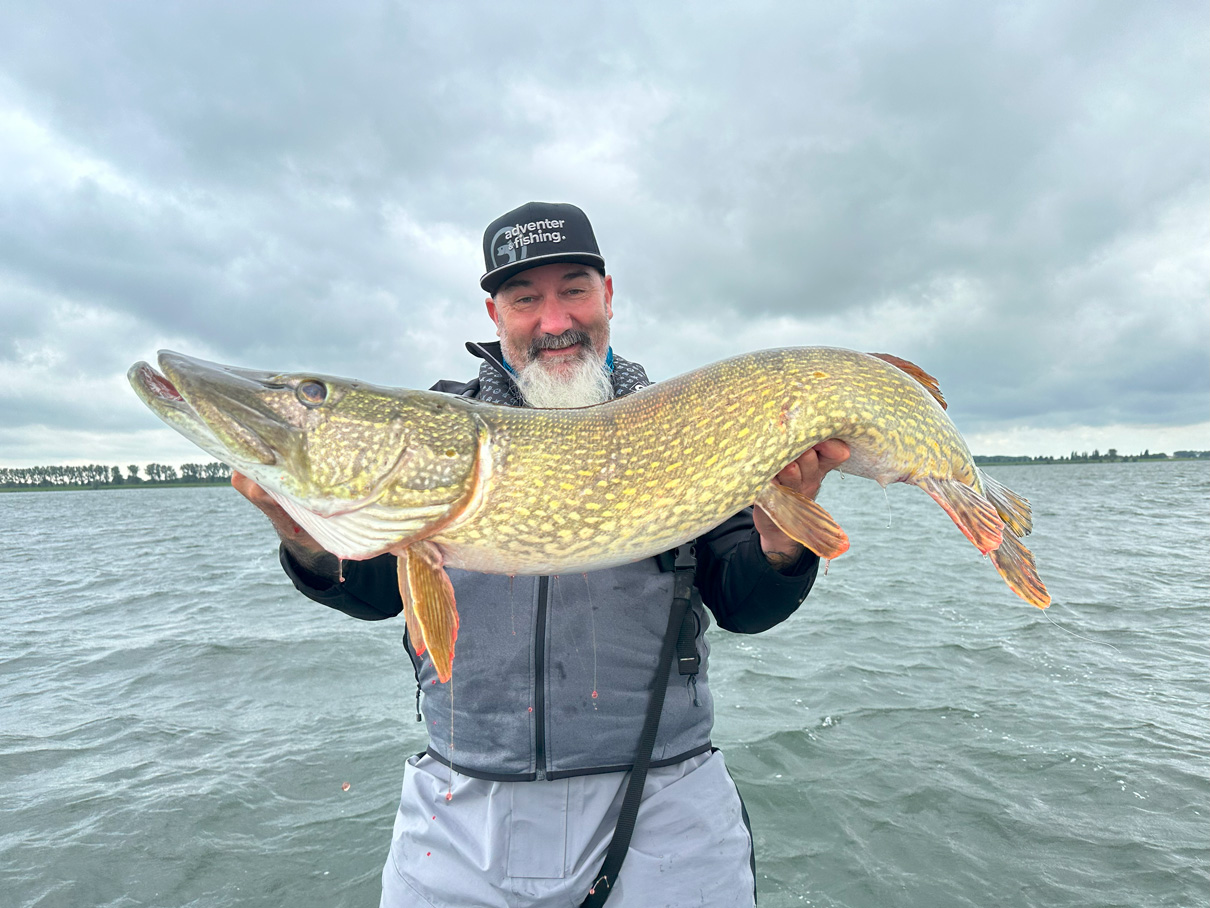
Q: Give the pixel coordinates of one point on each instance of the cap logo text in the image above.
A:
(518, 237)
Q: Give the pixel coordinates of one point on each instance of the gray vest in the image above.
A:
(553, 674)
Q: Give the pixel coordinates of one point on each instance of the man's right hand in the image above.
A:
(302, 545)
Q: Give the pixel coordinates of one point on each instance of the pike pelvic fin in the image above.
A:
(974, 515)
(1016, 565)
(930, 384)
(1013, 509)
(803, 520)
(428, 605)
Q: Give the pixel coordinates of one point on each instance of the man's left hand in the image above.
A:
(803, 476)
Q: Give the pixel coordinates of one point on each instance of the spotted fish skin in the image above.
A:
(449, 481)
(605, 485)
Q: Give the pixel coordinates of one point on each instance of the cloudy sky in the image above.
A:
(1014, 195)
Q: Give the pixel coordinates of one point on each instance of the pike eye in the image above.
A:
(311, 393)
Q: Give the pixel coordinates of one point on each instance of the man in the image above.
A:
(516, 799)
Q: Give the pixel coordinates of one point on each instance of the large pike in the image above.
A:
(442, 480)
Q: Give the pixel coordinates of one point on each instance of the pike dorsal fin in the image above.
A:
(930, 383)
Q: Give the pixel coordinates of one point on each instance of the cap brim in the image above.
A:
(493, 279)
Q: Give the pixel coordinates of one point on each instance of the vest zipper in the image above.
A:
(540, 680)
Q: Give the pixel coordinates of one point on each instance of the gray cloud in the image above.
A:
(1014, 196)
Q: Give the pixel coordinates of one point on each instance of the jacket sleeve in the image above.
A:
(370, 590)
(744, 593)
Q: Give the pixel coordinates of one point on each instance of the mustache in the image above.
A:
(559, 341)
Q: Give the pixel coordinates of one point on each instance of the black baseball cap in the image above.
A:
(537, 233)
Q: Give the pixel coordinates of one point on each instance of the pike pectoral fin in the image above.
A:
(803, 520)
(975, 516)
(1016, 565)
(415, 633)
(428, 604)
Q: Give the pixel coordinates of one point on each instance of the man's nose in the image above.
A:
(554, 319)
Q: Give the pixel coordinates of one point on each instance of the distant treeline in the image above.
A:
(100, 476)
(1110, 456)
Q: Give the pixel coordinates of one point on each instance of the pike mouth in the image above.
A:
(245, 418)
(156, 384)
(231, 438)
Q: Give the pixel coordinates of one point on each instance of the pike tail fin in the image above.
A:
(803, 520)
(974, 515)
(1013, 509)
(1016, 565)
(428, 605)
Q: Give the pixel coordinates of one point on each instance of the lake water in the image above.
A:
(176, 723)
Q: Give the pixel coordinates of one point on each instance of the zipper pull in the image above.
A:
(693, 683)
(419, 718)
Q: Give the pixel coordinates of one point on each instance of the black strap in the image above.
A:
(682, 590)
(688, 660)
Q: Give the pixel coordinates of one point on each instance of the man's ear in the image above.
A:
(609, 296)
(494, 313)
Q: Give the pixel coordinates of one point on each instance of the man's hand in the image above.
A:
(803, 476)
(301, 544)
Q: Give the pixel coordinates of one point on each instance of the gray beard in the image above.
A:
(587, 384)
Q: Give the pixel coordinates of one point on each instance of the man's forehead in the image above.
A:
(526, 278)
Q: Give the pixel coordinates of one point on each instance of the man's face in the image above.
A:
(553, 317)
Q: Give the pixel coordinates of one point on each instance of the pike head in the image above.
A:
(363, 469)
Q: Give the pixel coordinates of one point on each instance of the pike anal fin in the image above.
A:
(803, 520)
(1014, 509)
(1016, 565)
(428, 605)
(974, 515)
